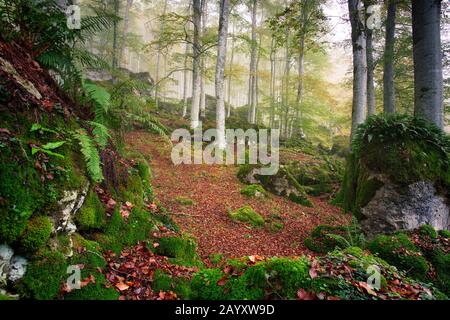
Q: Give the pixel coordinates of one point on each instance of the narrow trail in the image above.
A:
(215, 190)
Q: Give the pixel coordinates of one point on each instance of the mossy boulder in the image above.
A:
(399, 251)
(253, 190)
(322, 240)
(92, 215)
(181, 249)
(398, 175)
(246, 214)
(44, 277)
(36, 234)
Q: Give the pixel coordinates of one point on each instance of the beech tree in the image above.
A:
(428, 77)
(220, 70)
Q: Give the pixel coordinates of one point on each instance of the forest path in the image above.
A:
(215, 190)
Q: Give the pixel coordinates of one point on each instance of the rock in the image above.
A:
(18, 268)
(6, 253)
(69, 205)
(404, 208)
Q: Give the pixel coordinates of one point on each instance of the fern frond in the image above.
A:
(101, 133)
(90, 154)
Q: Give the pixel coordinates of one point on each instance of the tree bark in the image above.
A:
(220, 70)
(252, 88)
(195, 108)
(115, 37)
(158, 61)
(388, 73)
(126, 22)
(359, 64)
(371, 101)
(203, 58)
(185, 71)
(230, 72)
(272, 81)
(428, 77)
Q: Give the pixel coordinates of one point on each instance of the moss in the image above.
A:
(161, 281)
(20, 196)
(276, 277)
(133, 190)
(399, 251)
(92, 215)
(428, 231)
(253, 190)
(244, 171)
(120, 232)
(444, 233)
(183, 248)
(184, 201)
(36, 234)
(365, 191)
(275, 226)
(441, 263)
(321, 242)
(246, 214)
(44, 276)
(204, 285)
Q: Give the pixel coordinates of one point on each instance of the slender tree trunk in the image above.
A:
(301, 72)
(428, 77)
(195, 108)
(158, 61)
(272, 82)
(203, 62)
(231, 71)
(126, 22)
(185, 71)
(286, 85)
(359, 64)
(252, 109)
(185, 80)
(220, 69)
(388, 73)
(115, 38)
(371, 101)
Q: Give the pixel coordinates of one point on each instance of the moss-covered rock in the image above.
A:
(44, 276)
(246, 214)
(253, 190)
(397, 175)
(399, 251)
(183, 248)
(36, 234)
(320, 240)
(92, 215)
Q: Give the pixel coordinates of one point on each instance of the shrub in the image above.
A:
(36, 234)
(246, 214)
(326, 238)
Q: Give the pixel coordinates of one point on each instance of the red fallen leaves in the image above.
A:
(125, 209)
(5, 131)
(83, 283)
(131, 273)
(48, 105)
(313, 269)
(305, 295)
(106, 199)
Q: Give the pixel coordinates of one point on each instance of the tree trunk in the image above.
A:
(371, 102)
(115, 37)
(230, 72)
(287, 70)
(220, 69)
(359, 64)
(185, 71)
(252, 89)
(202, 63)
(388, 73)
(272, 81)
(428, 78)
(158, 61)
(126, 22)
(195, 108)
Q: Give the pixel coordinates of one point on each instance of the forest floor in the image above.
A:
(214, 190)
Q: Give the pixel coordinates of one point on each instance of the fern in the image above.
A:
(150, 123)
(90, 154)
(100, 97)
(101, 134)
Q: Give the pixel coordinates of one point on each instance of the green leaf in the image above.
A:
(53, 145)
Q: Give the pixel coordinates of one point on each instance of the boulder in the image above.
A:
(398, 176)
(12, 267)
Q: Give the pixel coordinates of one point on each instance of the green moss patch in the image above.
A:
(36, 234)
(253, 190)
(92, 215)
(246, 214)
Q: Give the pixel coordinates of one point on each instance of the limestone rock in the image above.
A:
(71, 202)
(404, 208)
(17, 268)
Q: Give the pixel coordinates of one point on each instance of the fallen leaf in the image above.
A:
(122, 286)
